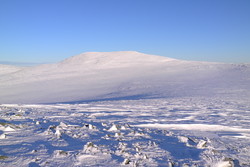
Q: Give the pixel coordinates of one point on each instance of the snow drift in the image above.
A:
(118, 75)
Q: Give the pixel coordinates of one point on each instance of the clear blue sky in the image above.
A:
(52, 30)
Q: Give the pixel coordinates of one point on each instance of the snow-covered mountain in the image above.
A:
(129, 74)
(173, 112)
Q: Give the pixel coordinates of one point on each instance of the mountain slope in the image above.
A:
(92, 76)
(8, 69)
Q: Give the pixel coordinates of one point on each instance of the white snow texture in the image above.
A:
(125, 109)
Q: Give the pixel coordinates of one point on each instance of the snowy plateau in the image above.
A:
(125, 109)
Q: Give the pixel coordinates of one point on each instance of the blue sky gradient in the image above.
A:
(42, 31)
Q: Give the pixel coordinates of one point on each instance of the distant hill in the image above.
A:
(19, 63)
(121, 75)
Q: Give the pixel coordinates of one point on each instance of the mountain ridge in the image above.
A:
(105, 75)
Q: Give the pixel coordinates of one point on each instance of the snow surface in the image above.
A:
(8, 69)
(125, 109)
(92, 76)
(146, 132)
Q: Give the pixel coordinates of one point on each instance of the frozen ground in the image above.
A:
(159, 132)
(125, 109)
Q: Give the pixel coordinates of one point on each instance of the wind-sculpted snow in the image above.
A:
(125, 109)
(162, 132)
(121, 75)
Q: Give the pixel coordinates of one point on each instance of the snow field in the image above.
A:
(121, 75)
(160, 132)
(125, 109)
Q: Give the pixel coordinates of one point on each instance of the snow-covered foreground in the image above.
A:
(147, 132)
(125, 109)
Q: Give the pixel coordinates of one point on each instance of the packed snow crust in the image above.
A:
(170, 132)
(125, 109)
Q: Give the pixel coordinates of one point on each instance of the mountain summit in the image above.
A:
(119, 75)
(114, 59)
